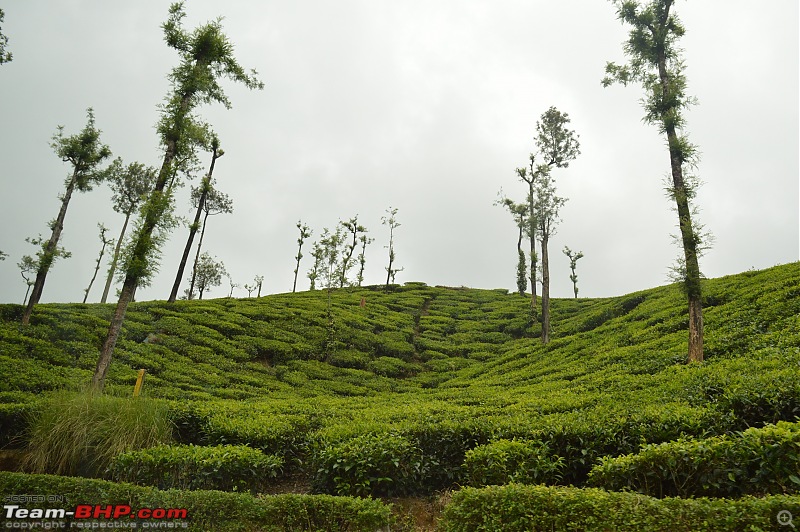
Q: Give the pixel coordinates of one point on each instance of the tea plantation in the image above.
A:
(336, 408)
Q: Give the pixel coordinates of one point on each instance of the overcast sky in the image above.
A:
(426, 106)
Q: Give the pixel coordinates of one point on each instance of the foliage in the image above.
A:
(79, 433)
(505, 461)
(518, 507)
(221, 467)
(446, 369)
(209, 273)
(215, 510)
(5, 56)
(376, 464)
(757, 461)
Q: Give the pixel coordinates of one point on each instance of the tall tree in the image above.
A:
(5, 56)
(305, 232)
(313, 273)
(655, 61)
(129, 185)
(259, 280)
(519, 211)
(573, 261)
(558, 145)
(353, 229)
(362, 258)
(204, 190)
(547, 207)
(216, 202)
(393, 224)
(206, 56)
(105, 242)
(85, 153)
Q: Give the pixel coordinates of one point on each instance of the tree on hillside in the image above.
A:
(129, 185)
(352, 230)
(656, 62)
(200, 201)
(519, 211)
(258, 280)
(556, 146)
(5, 56)
(105, 242)
(305, 232)
(27, 267)
(85, 153)
(233, 285)
(206, 56)
(216, 202)
(393, 224)
(573, 261)
(362, 258)
(316, 267)
(209, 274)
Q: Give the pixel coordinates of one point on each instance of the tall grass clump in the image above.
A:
(78, 433)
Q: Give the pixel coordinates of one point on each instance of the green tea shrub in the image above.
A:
(525, 508)
(757, 461)
(221, 467)
(350, 358)
(382, 464)
(215, 511)
(392, 367)
(79, 433)
(504, 461)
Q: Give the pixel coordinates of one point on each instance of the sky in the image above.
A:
(427, 107)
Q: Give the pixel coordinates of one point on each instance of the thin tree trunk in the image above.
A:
(545, 288)
(297, 266)
(532, 236)
(99, 377)
(193, 228)
(197, 258)
(97, 268)
(49, 252)
(113, 268)
(688, 236)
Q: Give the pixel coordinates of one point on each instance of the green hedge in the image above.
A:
(214, 510)
(753, 462)
(504, 461)
(370, 464)
(517, 507)
(222, 467)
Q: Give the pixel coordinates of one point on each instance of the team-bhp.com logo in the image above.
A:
(117, 516)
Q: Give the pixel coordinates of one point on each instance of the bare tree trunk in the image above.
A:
(99, 377)
(97, 267)
(532, 237)
(193, 228)
(545, 287)
(49, 252)
(197, 258)
(297, 266)
(113, 268)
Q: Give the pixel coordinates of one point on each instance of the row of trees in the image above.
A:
(537, 217)
(655, 62)
(333, 253)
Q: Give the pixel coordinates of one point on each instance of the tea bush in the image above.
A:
(372, 464)
(505, 461)
(754, 462)
(221, 467)
(211, 511)
(523, 508)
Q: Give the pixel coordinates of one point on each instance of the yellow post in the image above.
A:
(139, 381)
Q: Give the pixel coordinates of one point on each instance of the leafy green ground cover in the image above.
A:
(392, 397)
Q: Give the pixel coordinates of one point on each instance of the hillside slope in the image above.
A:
(437, 371)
